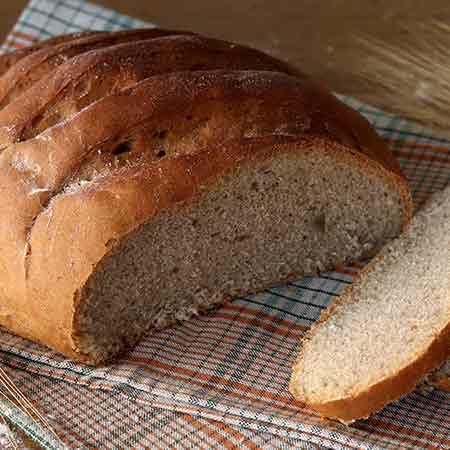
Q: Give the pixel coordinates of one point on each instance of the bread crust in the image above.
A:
(98, 73)
(7, 60)
(25, 72)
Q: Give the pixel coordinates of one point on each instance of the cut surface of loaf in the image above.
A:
(388, 330)
(98, 73)
(175, 193)
(194, 230)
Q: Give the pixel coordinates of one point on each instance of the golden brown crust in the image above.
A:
(96, 74)
(41, 63)
(7, 60)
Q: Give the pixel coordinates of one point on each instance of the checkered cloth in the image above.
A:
(219, 380)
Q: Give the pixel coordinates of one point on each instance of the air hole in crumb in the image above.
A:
(242, 237)
(319, 223)
(124, 147)
(175, 270)
(194, 222)
(197, 67)
(161, 134)
(254, 186)
(161, 153)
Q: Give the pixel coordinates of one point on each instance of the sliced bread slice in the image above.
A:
(388, 330)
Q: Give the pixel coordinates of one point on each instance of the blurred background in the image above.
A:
(318, 36)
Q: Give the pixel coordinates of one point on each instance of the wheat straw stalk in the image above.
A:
(411, 77)
(10, 392)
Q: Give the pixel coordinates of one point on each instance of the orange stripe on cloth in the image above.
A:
(15, 44)
(80, 401)
(411, 144)
(267, 327)
(227, 335)
(387, 429)
(301, 411)
(259, 314)
(200, 356)
(421, 156)
(221, 439)
(41, 396)
(344, 431)
(289, 404)
(243, 440)
(282, 438)
(25, 36)
(170, 426)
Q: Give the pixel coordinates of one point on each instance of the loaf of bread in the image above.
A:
(144, 182)
(388, 330)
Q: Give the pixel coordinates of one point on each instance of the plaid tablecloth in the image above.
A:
(220, 380)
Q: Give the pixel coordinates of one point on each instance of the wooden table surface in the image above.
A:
(321, 37)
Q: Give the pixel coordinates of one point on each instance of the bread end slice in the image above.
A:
(362, 404)
(379, 340)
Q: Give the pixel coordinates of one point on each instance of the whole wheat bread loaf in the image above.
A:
(388, 330)
(152, 202)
